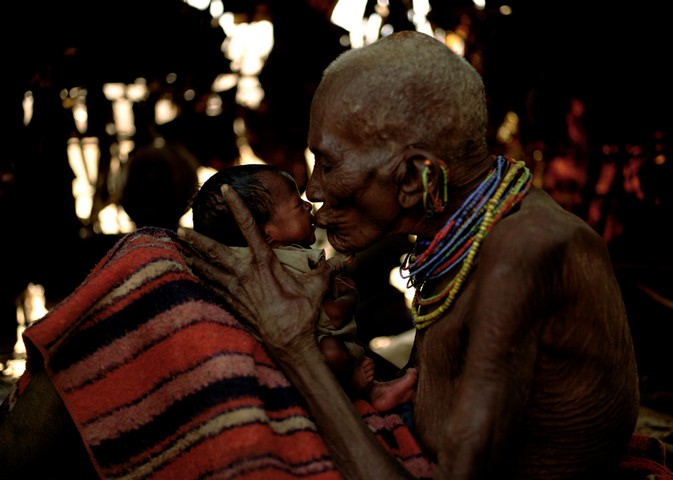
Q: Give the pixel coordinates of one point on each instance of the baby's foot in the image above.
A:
(363, 374)
(387, 395)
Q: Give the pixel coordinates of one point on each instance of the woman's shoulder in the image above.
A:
(541, 229)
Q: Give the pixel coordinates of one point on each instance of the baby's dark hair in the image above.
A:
(210, 213)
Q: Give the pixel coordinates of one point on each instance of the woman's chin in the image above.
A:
(342, 244)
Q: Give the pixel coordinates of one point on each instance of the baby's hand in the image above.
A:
(341, 303)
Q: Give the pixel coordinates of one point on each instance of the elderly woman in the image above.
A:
(523, 350)
(525, 362)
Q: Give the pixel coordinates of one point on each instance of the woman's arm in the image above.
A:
(355, 450)
(283, 307)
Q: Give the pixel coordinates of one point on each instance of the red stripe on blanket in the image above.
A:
(168, 366)
(150, 335)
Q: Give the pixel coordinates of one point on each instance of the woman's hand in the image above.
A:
(281, 305)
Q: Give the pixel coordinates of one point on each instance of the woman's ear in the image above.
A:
(422, 174)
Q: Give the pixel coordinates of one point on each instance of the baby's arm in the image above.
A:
(340, 305)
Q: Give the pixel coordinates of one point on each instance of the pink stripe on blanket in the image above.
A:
(123, 350)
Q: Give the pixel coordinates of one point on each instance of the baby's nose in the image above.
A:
(308, 205)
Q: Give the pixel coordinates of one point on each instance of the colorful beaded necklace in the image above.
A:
(461, 237)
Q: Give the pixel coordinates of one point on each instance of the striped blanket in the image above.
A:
(164, 383)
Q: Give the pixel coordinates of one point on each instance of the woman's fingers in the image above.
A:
(227, 287)
(214, 275)
(213, 251)
(281, 305)
(250, 230)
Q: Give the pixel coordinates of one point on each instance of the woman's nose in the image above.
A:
(313, 190)
(308, 205)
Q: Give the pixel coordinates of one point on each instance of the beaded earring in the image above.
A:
(435, 202)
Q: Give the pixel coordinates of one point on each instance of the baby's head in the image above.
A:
(272, 196)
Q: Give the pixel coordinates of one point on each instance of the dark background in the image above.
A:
(612, 56)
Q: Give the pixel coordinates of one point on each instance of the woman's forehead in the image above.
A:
(335, 143)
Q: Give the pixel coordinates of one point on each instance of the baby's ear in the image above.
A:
(419, 172)
(270, 231)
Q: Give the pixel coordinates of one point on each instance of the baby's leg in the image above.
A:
(387, 395)
(337, 358)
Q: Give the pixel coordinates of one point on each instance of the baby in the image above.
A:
(286, 221)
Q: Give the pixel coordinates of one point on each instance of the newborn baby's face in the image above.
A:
(292, 220)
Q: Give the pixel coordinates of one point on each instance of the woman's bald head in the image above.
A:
(407, 88)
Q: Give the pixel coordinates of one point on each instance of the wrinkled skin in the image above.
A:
(535, 358)
(530, 375)
(291, 340)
